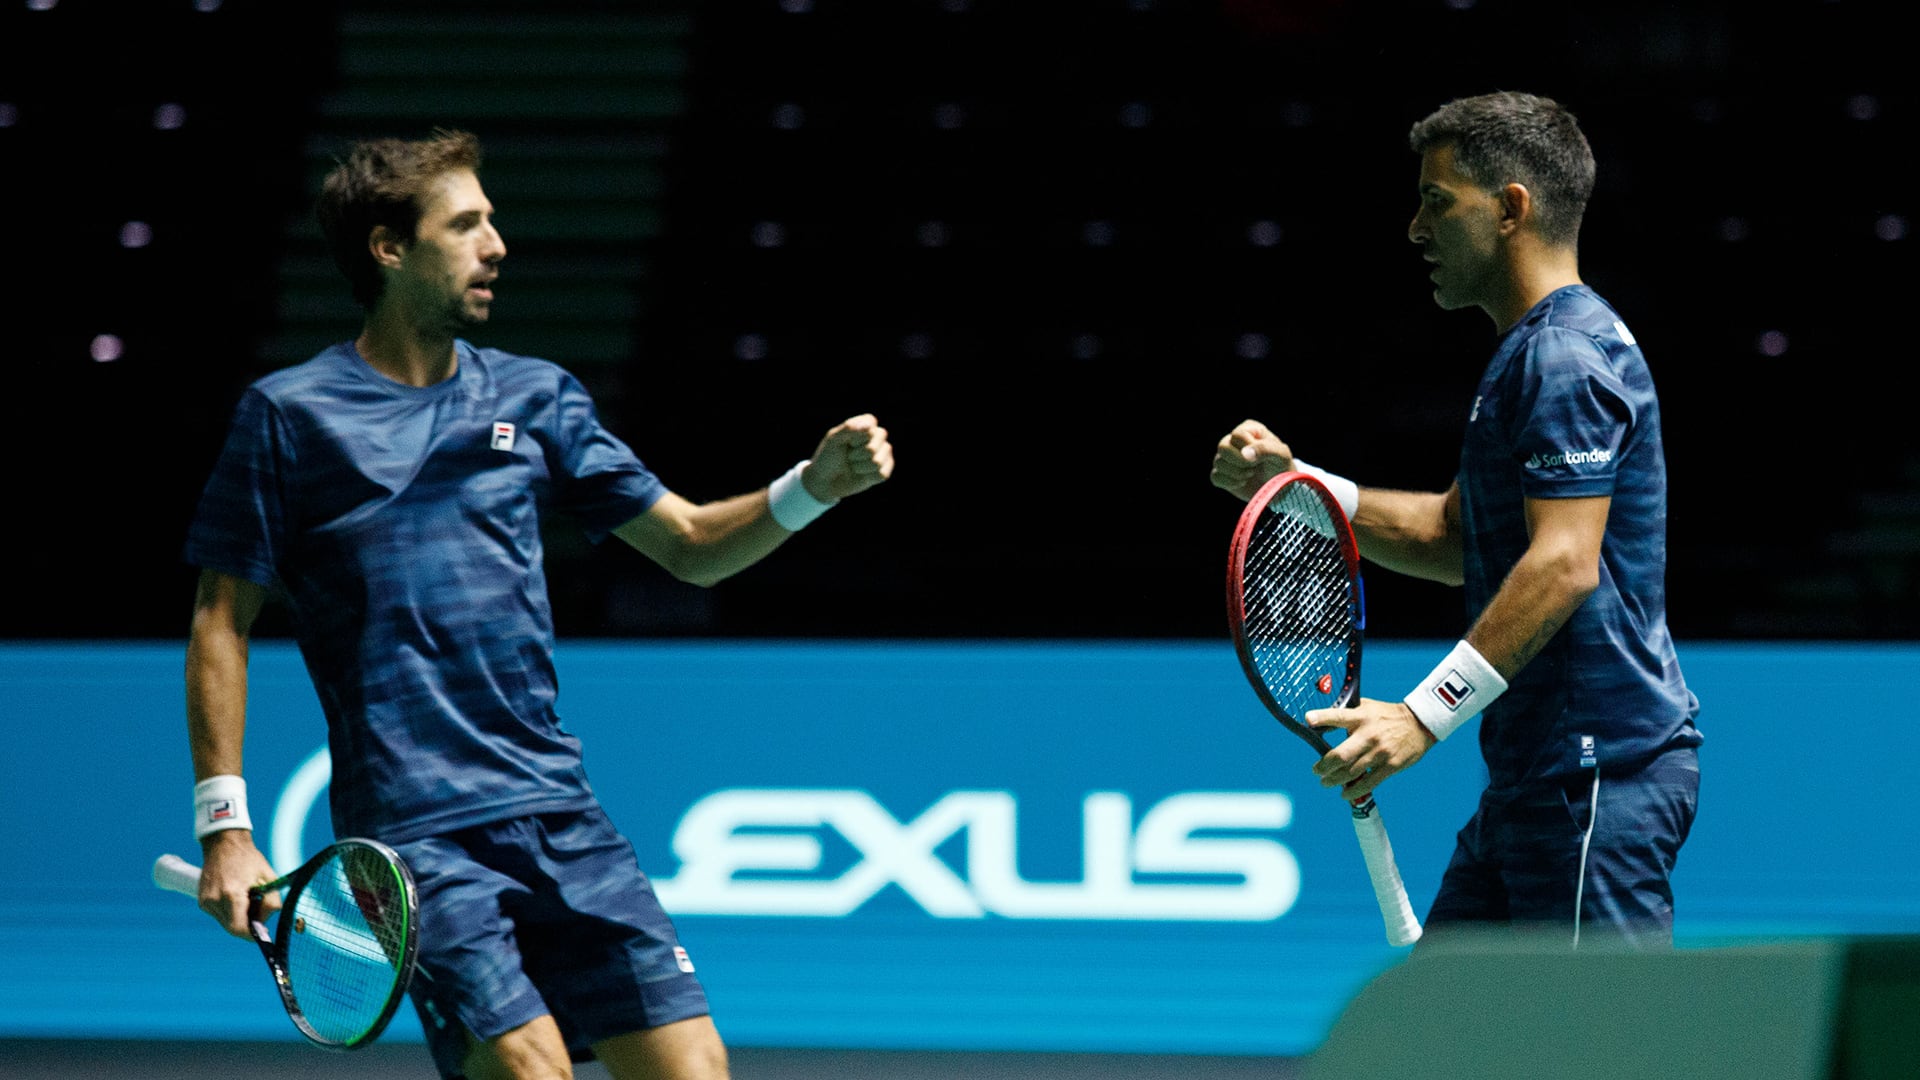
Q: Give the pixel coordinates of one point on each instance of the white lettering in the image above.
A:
(1598, 456)
(776, 869)
(713, 852)
(758, 851)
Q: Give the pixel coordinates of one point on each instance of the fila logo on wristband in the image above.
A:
(1453, 690)
(220, 802)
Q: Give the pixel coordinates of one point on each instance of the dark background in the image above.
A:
(1059, 248)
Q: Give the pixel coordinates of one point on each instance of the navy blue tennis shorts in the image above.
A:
(548, 914)
(1519, 860)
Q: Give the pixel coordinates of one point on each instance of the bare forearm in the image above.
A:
(708, 543)
(733, 534)
(216, 701)
(1410, 533)
(224, 608)
(1533, 603)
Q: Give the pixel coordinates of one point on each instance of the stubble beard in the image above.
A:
(465, 314)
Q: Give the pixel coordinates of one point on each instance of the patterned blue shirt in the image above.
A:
(1566, 409)
(402, 525)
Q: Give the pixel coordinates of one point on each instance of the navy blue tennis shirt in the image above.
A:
(403, 526)
(1566, 409)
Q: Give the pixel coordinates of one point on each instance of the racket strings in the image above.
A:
(345, 937)
(1298, 602)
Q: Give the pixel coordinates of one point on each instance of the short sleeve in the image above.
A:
(239, 527)
(1573, 419)
(597, 479)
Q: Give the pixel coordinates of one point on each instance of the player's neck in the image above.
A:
(1534, 272)
(405, 352)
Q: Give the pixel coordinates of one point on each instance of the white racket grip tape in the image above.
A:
(1395, 909)
(175, 874)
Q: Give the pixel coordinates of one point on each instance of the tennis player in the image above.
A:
(393, 489)
(1556, 525)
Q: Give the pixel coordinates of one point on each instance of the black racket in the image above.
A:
(1298, 612)
(342, 950)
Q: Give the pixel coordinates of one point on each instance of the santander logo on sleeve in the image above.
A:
(1596, 456)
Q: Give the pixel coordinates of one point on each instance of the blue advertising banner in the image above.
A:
(1016, 846)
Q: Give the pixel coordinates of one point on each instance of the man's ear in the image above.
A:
(386, 246)
(1516, 207)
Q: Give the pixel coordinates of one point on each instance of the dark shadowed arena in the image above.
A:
(964, 780)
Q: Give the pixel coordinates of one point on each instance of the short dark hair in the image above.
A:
(383, 182)
(1508, 137)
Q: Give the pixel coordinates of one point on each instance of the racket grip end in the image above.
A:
(175, 874)
(1396, 911)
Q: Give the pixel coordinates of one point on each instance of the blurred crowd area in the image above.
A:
(1059, 249)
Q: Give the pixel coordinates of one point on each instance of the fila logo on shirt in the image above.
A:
(1454, 690)
(502, 435)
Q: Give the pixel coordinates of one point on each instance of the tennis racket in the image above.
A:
(342, 951)
(1298, 612)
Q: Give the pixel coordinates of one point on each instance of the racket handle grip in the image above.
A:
(175, 874)
(1403, 928)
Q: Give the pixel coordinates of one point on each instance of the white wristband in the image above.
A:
(1345, 492)
(1456, 691)
(791, 504)
(219, 802)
